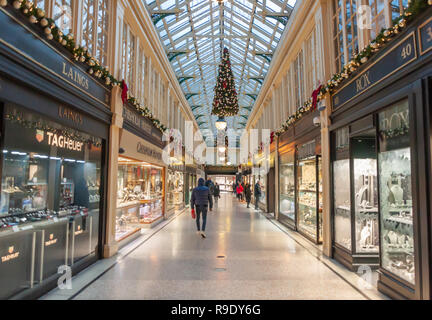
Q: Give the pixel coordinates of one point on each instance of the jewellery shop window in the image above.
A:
(308, 190)
(395, 190)
(50, 196)
(175, 190)
(341, 189)
(365, 185)
(139, 196)
(287, 185)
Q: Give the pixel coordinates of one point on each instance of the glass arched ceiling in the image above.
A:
(193, 31)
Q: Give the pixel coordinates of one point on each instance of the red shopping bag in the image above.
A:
(193, 213)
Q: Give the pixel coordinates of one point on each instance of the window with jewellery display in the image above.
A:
(175, 189)
(287, 185)
(308, 191)
(341, 189)
(365, 184)
(139, 196)
(395, 191)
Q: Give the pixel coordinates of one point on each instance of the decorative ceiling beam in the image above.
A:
(254, 96)
(282, 17)
(199, 116)
(175, 53)
(195, 107)
(190, 95)
(260, 80)
(183, 79)
(266, 55)
(158, 15)
(248, 108)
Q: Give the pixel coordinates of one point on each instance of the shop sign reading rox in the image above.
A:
(402, 54)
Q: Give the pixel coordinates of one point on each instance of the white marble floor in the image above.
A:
(245, 256)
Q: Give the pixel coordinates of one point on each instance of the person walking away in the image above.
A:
(200, 201)
(209, 184)
(257, 194)
(216, 193)
(239, 191)
(234, 186)
(248, 194)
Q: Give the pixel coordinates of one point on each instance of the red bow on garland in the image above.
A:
(272, 135)
(315, 97)
(124, 94)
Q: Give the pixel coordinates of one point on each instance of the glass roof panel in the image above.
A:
(203, 27)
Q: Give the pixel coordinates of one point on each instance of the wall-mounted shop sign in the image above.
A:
(29, 45)
(70, 115)
(59, 141)
(52, 240)
(402, 53)
(425, 36)
(136, 120)
(141, 148)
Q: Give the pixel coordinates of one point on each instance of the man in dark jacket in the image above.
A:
(200, 200)
(257, 194)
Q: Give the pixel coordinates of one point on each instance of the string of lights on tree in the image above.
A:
(414, 8)
(225, 102)
(80, 54)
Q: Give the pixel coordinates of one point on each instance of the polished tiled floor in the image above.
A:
(260, 262)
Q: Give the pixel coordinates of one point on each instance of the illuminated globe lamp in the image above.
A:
(221, 123)
(222, 149)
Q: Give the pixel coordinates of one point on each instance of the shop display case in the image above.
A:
(356, 224)
(287, 204)
(395, 191)
(175, 190)
(45, 215)
(342, 190)
(139, 196)
(309, 189)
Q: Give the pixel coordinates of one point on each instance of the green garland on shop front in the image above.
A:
(415, 7)
(40, 125)
(80, 54)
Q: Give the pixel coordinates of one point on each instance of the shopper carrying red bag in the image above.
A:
(193, 214)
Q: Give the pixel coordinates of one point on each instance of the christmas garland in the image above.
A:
(79, 53)
(40, 125)
(393, 133)
(146, 113)
(415, 7)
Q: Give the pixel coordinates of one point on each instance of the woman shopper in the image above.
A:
(239, 191)
(200, 201)
(248, 194)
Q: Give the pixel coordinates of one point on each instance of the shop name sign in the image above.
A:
(69, 114)
(10, 256)
(136, 120)
(35, 50)
(425, 36)
(60, 141)
(76, 76)
(395, 59)
(148, 151)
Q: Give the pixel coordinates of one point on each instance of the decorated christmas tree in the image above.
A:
(225, 101)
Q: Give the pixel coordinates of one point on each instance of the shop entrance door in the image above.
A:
(271, 191)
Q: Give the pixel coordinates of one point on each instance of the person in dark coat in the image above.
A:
(248, 194)
(257, 194)
(200, 201)
(216, 193)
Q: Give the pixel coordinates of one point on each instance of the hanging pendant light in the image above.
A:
(221, 123)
